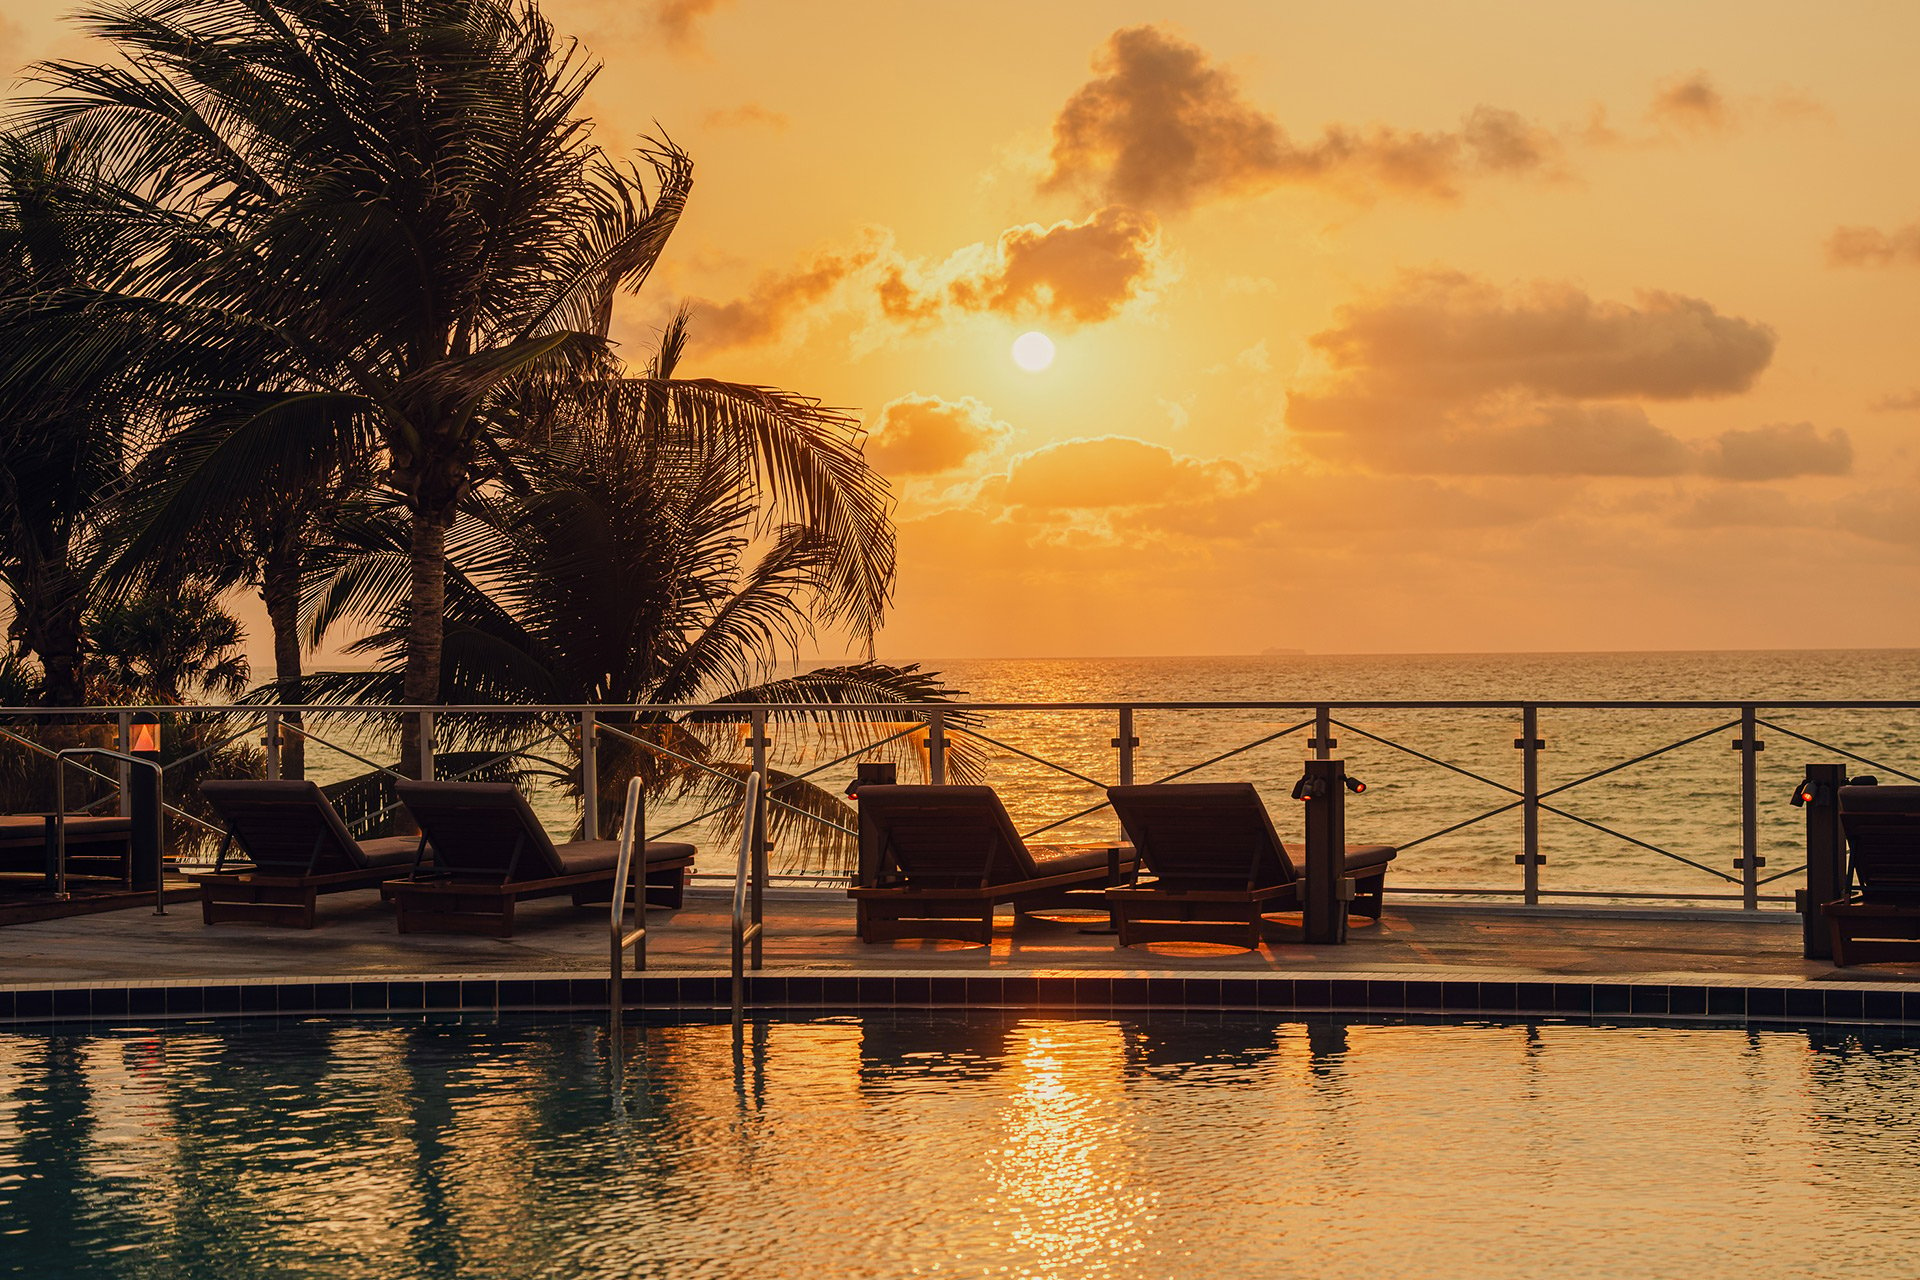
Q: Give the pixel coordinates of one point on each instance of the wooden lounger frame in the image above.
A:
(1879, 919)
(884, 913)
(1148, 913)
(248, 896)
(459, 904)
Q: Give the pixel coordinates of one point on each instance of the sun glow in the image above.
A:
(1033, 351)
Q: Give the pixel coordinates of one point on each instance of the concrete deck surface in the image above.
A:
(811, 931)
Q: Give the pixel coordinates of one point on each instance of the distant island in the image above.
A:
(1281, 653)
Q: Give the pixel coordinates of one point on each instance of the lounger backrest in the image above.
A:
(1204, 834)
(285, 827)
(942, 837)
(1883, 839)
(483, 830)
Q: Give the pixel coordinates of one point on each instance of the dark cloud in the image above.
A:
(1777, 452)
(1071, 272)
(1447, 375)
(1872, 247)
(1447, 336)
(1692, 103)
(925, 435)
(680, 21)
(1162, 127)
(769, 306)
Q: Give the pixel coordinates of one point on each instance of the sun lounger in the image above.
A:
(299, 849)
(96, 846)
(490, 851)
(1218, 866)
(1879, 919)
(936, 861)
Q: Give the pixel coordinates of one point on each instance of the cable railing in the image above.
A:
(1631, 809)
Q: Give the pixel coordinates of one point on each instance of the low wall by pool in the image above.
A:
(1871, 1003)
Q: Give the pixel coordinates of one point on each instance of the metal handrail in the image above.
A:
(746, 899)
(60, 821)
(623, 936)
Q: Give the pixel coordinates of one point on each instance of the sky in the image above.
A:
(1376, 327)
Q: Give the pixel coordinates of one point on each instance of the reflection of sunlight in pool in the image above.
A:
(1065, 1195)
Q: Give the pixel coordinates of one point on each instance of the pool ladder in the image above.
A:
(750, 874)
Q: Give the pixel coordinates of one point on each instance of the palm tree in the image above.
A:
(627, 559)
(390, 215)
(68, 421)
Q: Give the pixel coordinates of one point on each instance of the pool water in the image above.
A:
(930, 1144)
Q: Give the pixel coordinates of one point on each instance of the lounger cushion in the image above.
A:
(29, 830)
(582, 856)
(1360, 856)
(1052, 860)
(390, 851)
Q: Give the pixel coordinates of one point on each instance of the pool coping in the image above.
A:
(142, 1003)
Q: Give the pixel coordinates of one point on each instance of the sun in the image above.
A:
(1033, 351)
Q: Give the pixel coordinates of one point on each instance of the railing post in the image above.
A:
(1530, 744)
(426, 745)
(123, 743)
(758, 823)
(762, 844)
(1749, 746)
(1126, 742)
(270, 742)
(1327, 889)
(589, 776)
(1826, 858)
(1323, 742)
(937, 747)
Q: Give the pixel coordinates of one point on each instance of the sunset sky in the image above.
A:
(1378, 326)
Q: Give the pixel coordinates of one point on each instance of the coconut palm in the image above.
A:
(626, 560)
(65, 428)
(390, 218)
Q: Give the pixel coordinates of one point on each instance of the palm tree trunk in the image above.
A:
(426, 627)
(280, 591)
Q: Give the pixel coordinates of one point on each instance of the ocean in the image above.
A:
(1686, 801)
(1682, 806)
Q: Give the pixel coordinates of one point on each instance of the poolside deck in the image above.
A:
(810, 932)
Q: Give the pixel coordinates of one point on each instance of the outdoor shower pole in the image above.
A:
(1749, 746)
(937, 747)
(1126, 742)
(1323, 742)
(1826, 857)
(270, 741)
(1327, 890)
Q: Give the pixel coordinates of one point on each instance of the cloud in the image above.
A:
(1114, 471)
(1777, 452)
(1691, 103)
(1446, 335)
(1162, 127)
(1072, 272)
(680, 21)
(1443, 374)
(925, 435)
(773, 301)
(747, 115)
(1872, 247)
(1901, 402)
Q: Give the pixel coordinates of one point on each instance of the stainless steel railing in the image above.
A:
(749, 875)
(625, 891)
(60, 760)
(1461, 746)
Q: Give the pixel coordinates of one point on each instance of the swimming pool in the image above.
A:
(901, 1143)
